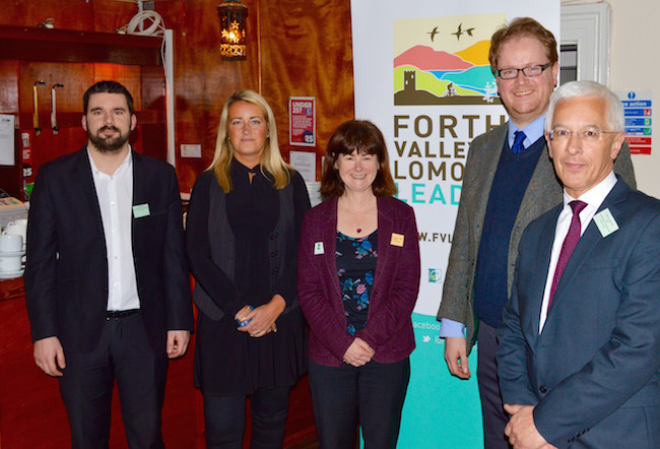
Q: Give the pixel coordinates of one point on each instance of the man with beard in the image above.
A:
(106, 280)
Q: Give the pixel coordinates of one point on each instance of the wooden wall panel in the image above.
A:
(203, 81)
(68, 14)
(75, 77)
(306, 51)
(112, 14)
(153, 88)
(8, 87)
(128, 75)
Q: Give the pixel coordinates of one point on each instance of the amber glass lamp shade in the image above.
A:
(232, 15)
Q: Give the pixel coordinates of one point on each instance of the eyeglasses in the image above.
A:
(589, 135)
(529, 71)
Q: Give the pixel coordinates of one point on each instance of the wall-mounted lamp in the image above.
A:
(232, 29)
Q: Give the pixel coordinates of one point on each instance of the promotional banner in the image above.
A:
(422, 76)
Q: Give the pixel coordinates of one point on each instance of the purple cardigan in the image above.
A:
(396, 284)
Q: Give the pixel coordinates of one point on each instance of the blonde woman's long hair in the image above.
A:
(272, 165)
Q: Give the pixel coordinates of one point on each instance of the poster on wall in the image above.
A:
(7, 139)
(638, 113)
(422, 75)
(302, 121)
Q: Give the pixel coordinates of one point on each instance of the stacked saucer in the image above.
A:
(11, 255)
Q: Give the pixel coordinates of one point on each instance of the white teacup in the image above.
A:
(15, 229)
(10, 263)
(18, 222)
(10, 243)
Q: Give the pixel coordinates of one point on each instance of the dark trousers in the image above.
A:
(225, 419)
(371, 395)
(492, 408)
(125, 355)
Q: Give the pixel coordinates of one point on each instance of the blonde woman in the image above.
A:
(242, 233)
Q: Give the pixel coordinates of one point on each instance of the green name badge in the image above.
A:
(606, 223)
(141, 210)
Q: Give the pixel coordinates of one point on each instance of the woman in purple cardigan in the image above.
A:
(358, 279)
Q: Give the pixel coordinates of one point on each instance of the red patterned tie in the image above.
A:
(570, 242)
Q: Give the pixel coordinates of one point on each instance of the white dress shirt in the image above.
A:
(115, 196)
(594, 197)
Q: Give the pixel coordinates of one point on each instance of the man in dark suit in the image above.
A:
(579, 353)
(106, 281)
(509, 181)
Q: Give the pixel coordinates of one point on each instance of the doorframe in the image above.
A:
(588, 27)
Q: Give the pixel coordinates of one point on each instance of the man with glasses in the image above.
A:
(579, 352)
(509, 181)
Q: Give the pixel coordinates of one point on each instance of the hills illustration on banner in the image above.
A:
(424, 76)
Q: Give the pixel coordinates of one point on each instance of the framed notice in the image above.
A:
(638, 112)
(7, 139)
(302, 121)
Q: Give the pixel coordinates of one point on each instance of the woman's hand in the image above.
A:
(242, 314)
(359, 353)
(263, 317)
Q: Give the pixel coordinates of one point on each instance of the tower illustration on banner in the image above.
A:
(444, 60)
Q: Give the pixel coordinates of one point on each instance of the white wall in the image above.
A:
(635, 65)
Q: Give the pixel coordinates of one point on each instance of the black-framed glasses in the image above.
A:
(530, 71)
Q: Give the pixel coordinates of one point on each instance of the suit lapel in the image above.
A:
(139, 191)
(385, 230)
(86, 180)
(329, 238)
(486, 168)
(535, 297)
(542, 185)
(139, 196)
(590, 238)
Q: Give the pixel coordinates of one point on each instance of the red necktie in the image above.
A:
(570, 242)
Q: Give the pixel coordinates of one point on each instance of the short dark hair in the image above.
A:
(522, 27)
(108, 87)
(351, 136)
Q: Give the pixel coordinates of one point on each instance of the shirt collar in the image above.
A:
(240, 168)
(533, 132)
(596, 195)
(126, 164)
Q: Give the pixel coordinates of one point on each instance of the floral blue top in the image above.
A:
(356, 265)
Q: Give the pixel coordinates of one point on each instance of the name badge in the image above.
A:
(397, 240)
(141, 210)
(606, 223)
(318, 248)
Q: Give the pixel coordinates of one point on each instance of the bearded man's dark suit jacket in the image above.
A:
(66, 278)
(594, 371)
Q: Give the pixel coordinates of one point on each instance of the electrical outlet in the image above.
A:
(191, 150)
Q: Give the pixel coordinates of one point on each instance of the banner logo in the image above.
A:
(444, 61)
(435, 275)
